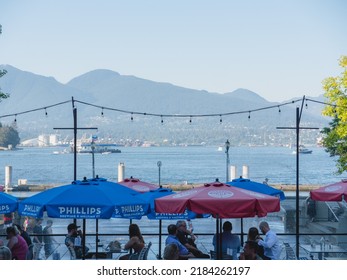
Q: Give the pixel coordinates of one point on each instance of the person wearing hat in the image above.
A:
(73, 241)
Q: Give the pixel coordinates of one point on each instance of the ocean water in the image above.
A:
(195, 164)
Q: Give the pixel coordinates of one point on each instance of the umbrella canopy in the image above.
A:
(333, 192)
(8, 203)
(220, 200)
(137, 185)
(247, 184)
(87, 199)
(162, 192)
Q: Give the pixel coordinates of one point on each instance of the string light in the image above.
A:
(279, 109)
(162, 121)
(15, 118)
(306, 106)
(171, 115)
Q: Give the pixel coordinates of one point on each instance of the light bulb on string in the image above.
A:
(162, 121)
(15, 118)
(190, 120)
(279, 109)
(131, 118)
(220, 119)
(46, 114)
(102, 111)
(306, 106)
(249, 115)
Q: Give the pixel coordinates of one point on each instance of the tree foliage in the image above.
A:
(8, 136)
(335, 136)
(3, 95)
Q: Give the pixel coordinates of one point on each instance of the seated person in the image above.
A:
(171, 252)
(253, 235)
(188, 240)
(250, 251)
(172, 239)
(136, 241)
(5, 253)
(229, 240)
(73, 242)
(16, 243)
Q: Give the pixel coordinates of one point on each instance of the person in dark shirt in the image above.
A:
(187, 238)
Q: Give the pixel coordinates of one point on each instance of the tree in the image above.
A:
(335, 136)
(3, 95)
(8, 136)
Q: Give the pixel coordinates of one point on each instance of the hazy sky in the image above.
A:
(278, 49)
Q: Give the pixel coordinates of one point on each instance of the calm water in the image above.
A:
(179, 164)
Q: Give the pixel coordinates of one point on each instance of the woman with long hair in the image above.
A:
(253, 235)
(135, 243)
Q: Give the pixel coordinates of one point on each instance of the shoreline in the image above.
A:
(283, 187)
(174, 187)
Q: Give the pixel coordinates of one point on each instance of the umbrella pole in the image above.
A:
(84, 240)
(242, 232)
(160, 233)
(217, 238)
(220, 239)
(97, 237)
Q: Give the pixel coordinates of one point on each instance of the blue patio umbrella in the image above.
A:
(257, 187)
(87, 199)
(84, 200)
(8, 203)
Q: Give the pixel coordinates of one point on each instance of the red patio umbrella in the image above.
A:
(138, 185)
(332, 192)
(220, 200)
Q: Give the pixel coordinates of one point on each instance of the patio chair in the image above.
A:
(143, 253)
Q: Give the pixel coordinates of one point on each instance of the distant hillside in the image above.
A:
(109, 89)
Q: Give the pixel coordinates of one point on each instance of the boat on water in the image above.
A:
(98, 149)
(303, 150)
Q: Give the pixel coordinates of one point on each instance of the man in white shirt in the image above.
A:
(271, 243)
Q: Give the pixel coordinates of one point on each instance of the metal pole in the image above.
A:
(93, 158)
(159, 164)
(159, 167)
(297, 181)
(75, 143)
(227, 146)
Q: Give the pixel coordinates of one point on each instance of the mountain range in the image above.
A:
(101, 94)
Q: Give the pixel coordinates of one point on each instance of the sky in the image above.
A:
(278, 49)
